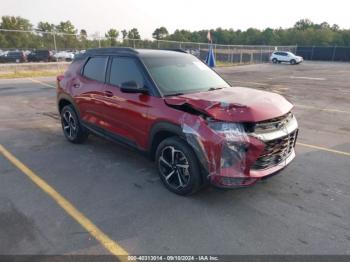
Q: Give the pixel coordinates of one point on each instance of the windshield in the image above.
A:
(182, 74)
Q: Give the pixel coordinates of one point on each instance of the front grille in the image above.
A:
(273, 124)
(276, 151)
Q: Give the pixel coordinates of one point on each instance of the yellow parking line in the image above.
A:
(101, 237)
(324, 149)
(40, 82)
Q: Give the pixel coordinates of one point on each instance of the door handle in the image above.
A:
(108, 93)
(76, 85)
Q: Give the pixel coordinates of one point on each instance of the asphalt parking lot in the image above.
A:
(303, 210)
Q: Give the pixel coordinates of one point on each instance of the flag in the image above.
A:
(209, 36)
(210, 59)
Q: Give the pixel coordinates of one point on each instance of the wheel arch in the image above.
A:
(163, 130)
(64, 100)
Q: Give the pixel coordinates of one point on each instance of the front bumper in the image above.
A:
(267, 153)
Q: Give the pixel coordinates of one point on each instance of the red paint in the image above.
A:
(132, 116)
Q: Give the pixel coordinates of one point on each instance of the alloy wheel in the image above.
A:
(69, 125)
(174, 167)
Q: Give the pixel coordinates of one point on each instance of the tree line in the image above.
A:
(67, 36)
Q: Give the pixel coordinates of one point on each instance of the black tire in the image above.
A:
(72, 129)
(274, 60)
(183, 156)
(292, 62)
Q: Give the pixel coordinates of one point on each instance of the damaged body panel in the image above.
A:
(241, 142)
(237, 104)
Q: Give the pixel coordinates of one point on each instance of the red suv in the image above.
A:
(196, 127)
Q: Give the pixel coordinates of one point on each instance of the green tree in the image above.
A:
(335, 27)
(124, 34)
(67, 38)
(83, 33)
(46, 27)
(180, 35)
(303, 24)
(160, 33)
(112, 34)
(16, 39)
(46, 40)
(84, 43)
(66, 27)
(134, 34)
(15, 23)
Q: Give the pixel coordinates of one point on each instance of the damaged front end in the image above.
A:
(236, 154)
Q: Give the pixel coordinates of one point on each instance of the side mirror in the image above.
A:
(132, 87)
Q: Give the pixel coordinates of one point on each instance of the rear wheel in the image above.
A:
(274, 60)
(178, 166)
(71, 126)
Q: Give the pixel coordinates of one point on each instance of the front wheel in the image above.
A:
(293, 62)
(178, 166)
(274, 61)
(71, 126)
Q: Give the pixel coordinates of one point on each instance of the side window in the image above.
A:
(95, 68)
(284, 54)
(125, 69)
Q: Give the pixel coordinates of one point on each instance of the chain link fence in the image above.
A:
(22, 46)
(324, 53)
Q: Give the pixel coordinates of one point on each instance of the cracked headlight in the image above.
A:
(236, 141)
(231, 131)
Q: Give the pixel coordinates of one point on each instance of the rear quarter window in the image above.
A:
(95, 68)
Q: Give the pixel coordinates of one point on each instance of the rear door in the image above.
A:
(126, 113)
(88, 90)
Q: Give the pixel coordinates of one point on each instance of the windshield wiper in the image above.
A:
(175, 94)
(214, 88)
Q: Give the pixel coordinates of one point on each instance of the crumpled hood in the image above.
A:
(235, 104)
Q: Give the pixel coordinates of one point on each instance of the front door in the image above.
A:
(126, 113)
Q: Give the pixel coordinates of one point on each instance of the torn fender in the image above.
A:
(227, 151)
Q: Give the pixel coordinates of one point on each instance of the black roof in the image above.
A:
(132, 51)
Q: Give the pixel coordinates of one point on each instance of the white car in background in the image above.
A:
(64, 56)
(3, 53)
(288, 57)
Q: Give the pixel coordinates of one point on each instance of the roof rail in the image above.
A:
(181, 50)
(109, 50)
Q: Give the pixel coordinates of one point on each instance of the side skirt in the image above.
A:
(112, 136)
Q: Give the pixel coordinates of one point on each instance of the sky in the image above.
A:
(101, 15)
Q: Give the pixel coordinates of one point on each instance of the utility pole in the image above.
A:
(55, 46)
